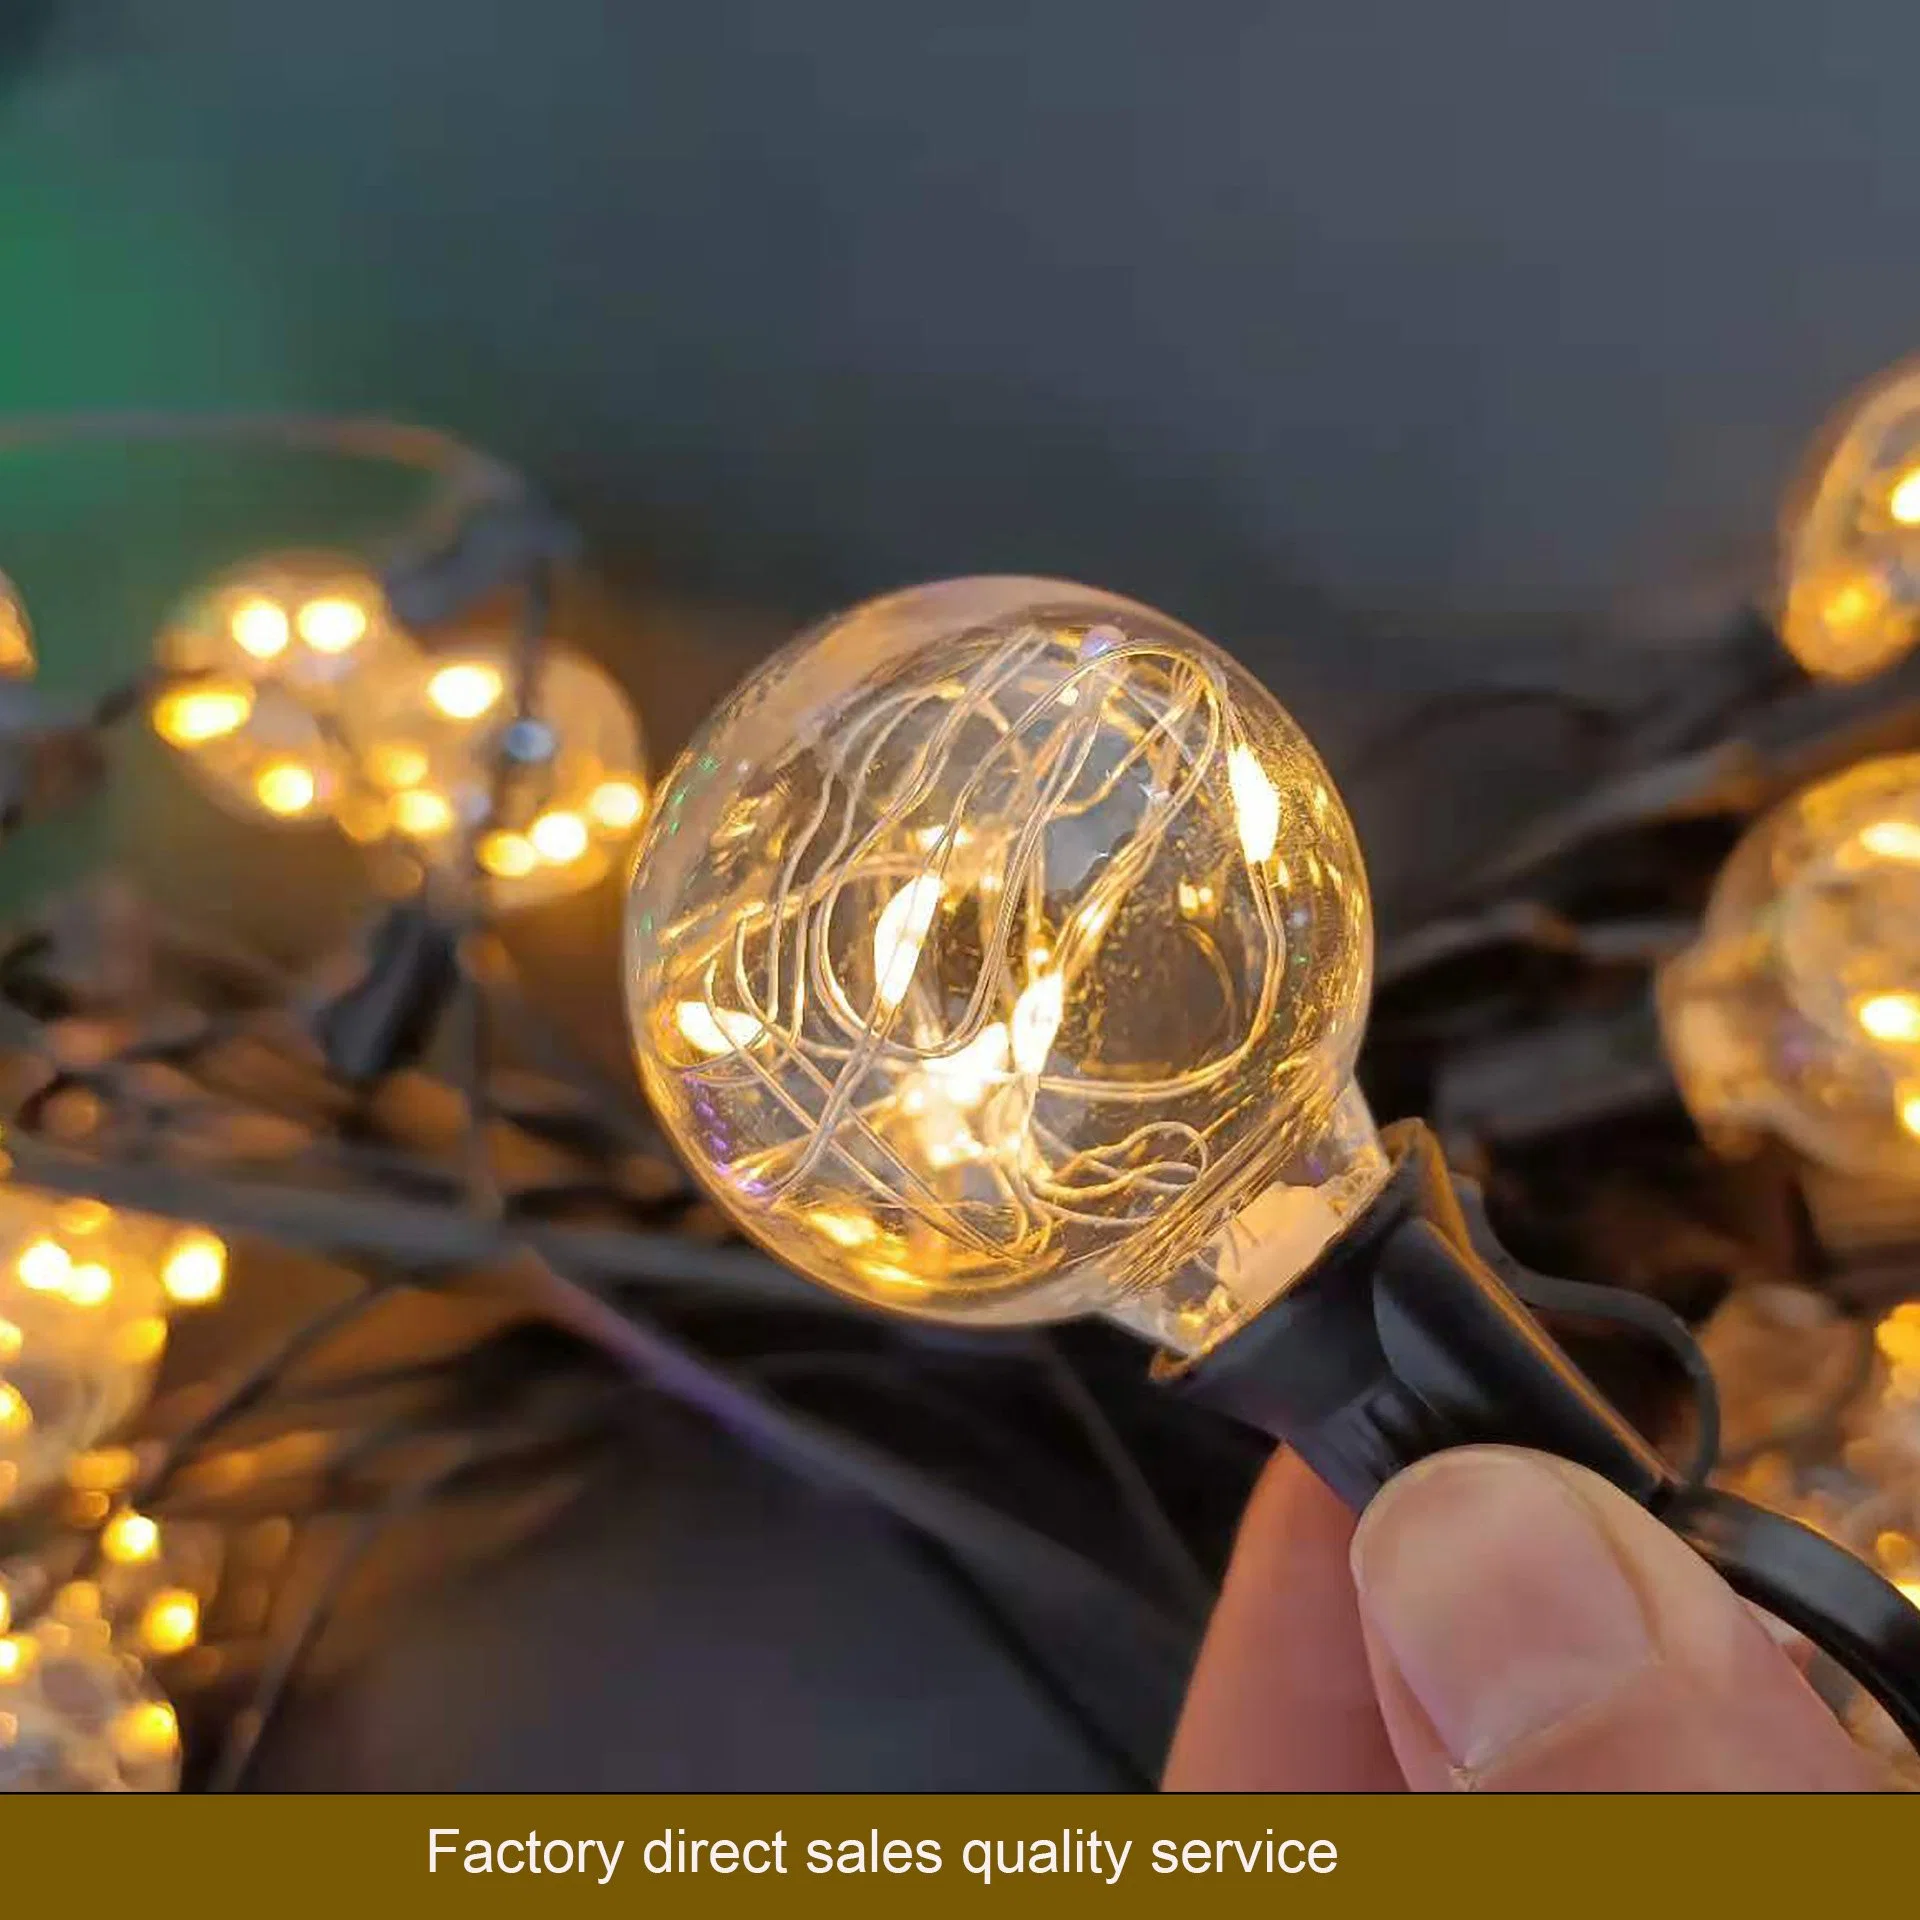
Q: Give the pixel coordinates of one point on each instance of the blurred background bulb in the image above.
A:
(1001, 950)
(84, 1289)
(1797, 1012)
(268, 654)
(78, 1715)
(546, 802)
(17, 659)
(1851, 602)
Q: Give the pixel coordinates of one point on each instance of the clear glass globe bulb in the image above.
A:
(1001, 951)
(1851, 548)
(1797, 1012)
(268, 654)
(546, 801)
(82, 1328)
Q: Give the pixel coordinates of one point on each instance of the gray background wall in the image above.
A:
(1381, 339)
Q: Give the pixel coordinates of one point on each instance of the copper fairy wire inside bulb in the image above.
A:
(1000, 951)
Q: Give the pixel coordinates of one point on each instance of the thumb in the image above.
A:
(1530, 1628)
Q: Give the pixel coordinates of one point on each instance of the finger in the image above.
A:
(1281, 1700)
(1531, 1628)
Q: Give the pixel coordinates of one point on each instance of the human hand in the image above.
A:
(1498, 1621)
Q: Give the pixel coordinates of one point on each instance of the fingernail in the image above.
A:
(1491, 1586)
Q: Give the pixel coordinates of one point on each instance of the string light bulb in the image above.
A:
(922, 986)
(543, 802)
(17, 658)
(1851, 547)
(81, 1300)
(83, 1717)
(263, 660)
(1797, 1012)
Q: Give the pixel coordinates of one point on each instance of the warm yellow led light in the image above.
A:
(421, 813)
(559, 837)
(195, 1268)
(1036, 1021)
(715, 1030)
(191, 716)
(171, 1621)
(1256, 804)
(396, 763)
(16, 1656)
(1891, 1017)
(616, 805)
(147, 1731)
(1903, 498)
(44, 1266)
(15, 1415)
(966, 1077)
(466, 690)
(11, 1341)
(900, 934)
(1892, 840)
(130, 1539)
(260, 628)
(843, 1226)
(286, 788)
(332, 624)
(506, 855)
(1910, 1110)
(90, 1285)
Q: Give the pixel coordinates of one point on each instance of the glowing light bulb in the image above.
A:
(90, 1285)
(1851, 596)
(560, 837)
(508, 856)
(466, 690)
(332, 623)
(616, 805)
(44, 1266)
(1257, 804)
(1910, 1110)
(260, 629)
(394, 764)
(15, 1415)
(11, 1341)
(286, 788)
(1796, 1012)
(715, 1030)
(1903, 498)
(1036, 1020)
(191, 716)
(446, 728)
(901, 933)
(147, 1730)
(170, 1622)
(16, 1656)
(269, 657)
(130, 1539)
(1004, 1064)
(1893, 1017)
(195, 1269)
(17, 659)
(421, 813)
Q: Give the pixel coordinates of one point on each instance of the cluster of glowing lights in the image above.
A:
(287, 677)
(540, 822)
